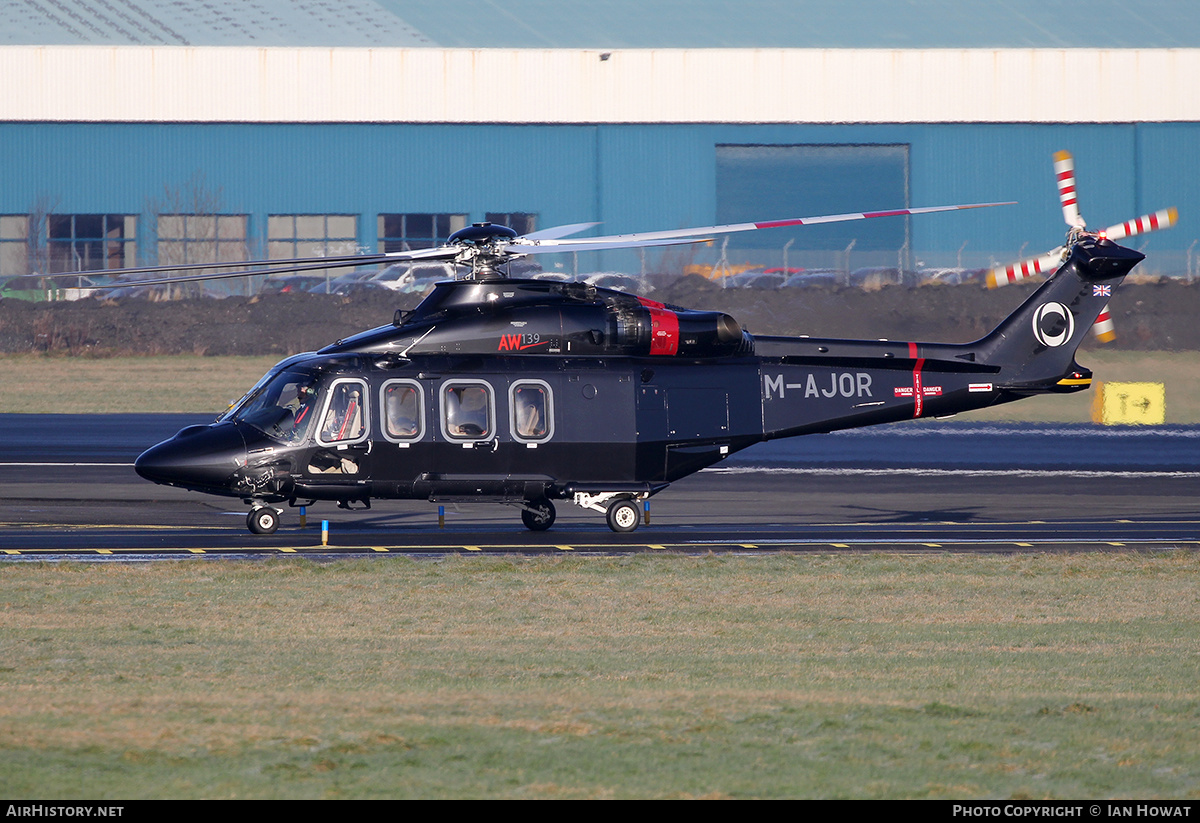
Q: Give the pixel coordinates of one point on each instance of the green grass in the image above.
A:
(1179, 371)
(838, 676)
(40, 384)
(48, 384)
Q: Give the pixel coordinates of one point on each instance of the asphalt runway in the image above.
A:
(68, 491)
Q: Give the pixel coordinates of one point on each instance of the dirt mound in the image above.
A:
(273, 324)
(1148, 316)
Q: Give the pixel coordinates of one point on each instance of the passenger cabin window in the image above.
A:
(467, 411)
(532, 411)
(403, 412)
(345, 417)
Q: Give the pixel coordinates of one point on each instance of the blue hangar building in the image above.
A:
(154, 132)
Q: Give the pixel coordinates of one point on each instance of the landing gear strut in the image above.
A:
(620, 509)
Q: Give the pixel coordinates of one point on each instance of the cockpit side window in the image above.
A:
(282, 408)
(531, 412)
(344, 415)
(403, 411)
(468, 410)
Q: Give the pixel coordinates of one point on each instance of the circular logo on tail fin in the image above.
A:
(1053, 324)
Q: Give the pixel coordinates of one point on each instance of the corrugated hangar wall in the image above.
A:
(628, 176)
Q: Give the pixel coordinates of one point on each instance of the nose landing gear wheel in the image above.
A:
(538, 516)
(262, 520)
(622, 516)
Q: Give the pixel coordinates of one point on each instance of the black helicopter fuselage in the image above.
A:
(531, 391)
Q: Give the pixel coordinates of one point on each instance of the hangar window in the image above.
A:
(521, 221)
(14, 244)
(405, 232)
(312, 235)
(532, 411)
(201, 238)
(80, 242)
(468, 410)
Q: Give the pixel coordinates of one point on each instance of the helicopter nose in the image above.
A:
(198, 457)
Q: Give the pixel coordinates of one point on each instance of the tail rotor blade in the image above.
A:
(1003, 275)
(1161, 219)
(1064, 172)
(1105, 331)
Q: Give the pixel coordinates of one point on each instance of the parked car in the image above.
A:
(342, 284)
(757, 279)
(163, 291)
(292, 283)
(36, 288)
(815, 277)
(416, 275)
(950, 276)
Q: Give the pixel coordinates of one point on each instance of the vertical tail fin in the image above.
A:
(1035, 346)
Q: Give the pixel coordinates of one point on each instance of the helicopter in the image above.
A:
(533, 392)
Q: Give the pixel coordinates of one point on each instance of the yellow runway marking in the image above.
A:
(686, 546)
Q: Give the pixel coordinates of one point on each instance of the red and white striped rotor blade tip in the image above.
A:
(1003, 275)
(1064, 173)
(1161, 219)
(1105, 331)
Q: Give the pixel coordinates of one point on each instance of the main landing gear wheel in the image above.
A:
(262, 520)
(538, 515)
(622, 516)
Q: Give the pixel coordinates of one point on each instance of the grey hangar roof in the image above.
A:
(574, 24)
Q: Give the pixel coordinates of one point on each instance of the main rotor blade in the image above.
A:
(278, 264)
(330, 262)
(616, 241)
(198, 278)
(555, 232)
(600, 244)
